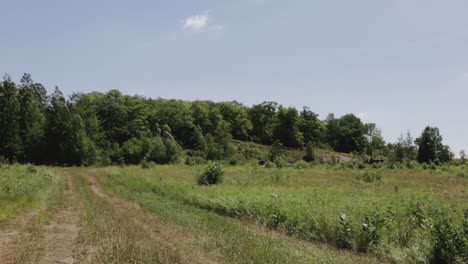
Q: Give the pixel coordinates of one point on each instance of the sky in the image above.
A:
(402, 64)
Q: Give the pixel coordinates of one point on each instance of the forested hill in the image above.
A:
(112, 128)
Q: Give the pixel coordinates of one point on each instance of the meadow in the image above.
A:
(400, 215)
(321, 214)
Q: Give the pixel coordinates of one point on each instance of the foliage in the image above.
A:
(346, 134)
(213, 174)
(396, 219)
(310, 153)
(113, 128)
(301, 165)
(431, 148)
(276, 150)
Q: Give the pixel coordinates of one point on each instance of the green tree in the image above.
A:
(375, 143)
(430, 147)
(66, 139)
(346, 134)
(287, 129)
(236, 114)
(10, 139)
(311, 127)
(32, 120)
(263, 118)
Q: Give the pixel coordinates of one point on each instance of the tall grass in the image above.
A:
(27, 186)
(407, 216)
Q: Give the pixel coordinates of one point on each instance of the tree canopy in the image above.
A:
(113, 128)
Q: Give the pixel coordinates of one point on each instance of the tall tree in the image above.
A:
(32, 119)
(311, 127)
(430, 147)
(346, 134)
(375, 142)
(287, 129)
(263, 118)
(10, 139)
(67, 142)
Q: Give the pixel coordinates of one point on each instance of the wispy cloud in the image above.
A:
(362, 114)
(200, 23)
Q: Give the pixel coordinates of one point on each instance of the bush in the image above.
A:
(147, 164)
(301, 165)
(280, 162)
(370, 177)
(310, 153)
(451, 242)
(31, 169)
(269, 164)
(195, 160)
(213, 174)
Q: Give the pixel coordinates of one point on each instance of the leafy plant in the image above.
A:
(213, 174)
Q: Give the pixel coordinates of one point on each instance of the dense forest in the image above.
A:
(112, 128)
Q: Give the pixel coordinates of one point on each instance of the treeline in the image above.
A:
(111, 128)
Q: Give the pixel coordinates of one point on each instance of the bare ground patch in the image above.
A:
(61, 234)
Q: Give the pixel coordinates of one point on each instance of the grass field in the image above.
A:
(324, 214)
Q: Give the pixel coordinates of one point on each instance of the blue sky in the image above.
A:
(402, 63)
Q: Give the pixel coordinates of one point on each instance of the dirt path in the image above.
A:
(61, 234)
(161, 232)
(13, 236)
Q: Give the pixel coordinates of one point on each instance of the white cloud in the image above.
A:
(362, 114)
(200, 23)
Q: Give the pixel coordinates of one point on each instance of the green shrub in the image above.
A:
(310, 153)
(280, 162)
(145, 164)
(370, 177)
(269, 164)
(301, 165)
(31, 168)
(451, 241)
(195, 160)
(213, 174)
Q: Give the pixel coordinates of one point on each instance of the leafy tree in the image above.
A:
(32, 120)
(375, 142)
(236, 114)
(66, 139)
(263, 118)
(346, 134)
(287, 129)
(430, 147)
(10, 139)
(311, 127)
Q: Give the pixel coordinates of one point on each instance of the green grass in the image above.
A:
(24, 187)
(232, 240)
(406, 216)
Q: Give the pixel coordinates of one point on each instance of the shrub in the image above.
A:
(310, 153)
(451, 241)
(31, 169)
(370, 177)
(145, 164)
(276, 151)
(269, 164)
(301, 165)
(213, 174)
(280, 162)
(195, 160)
